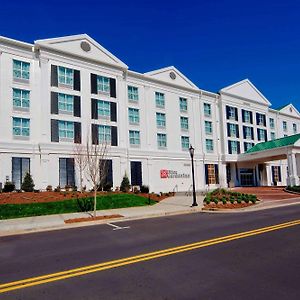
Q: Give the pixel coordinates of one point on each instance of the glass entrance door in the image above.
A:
(247, 177)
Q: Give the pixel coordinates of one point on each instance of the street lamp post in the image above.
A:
(192, 150)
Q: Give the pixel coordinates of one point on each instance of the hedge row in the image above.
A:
(295, 188)
(224, 196)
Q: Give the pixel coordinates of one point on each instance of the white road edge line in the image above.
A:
(116, 227)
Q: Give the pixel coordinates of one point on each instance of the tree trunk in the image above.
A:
(95, 200)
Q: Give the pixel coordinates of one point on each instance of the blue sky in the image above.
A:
(214, 43)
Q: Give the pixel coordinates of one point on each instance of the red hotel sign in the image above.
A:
(172, 174)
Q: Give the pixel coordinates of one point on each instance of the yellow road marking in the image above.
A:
(138, 258)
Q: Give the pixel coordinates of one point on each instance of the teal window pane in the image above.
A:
(160, 120)
(21, 127)
(104, 133)
(21, 69)
(21, 98)
(160, 99)
(65, 76)
(66, 129)
(134, 137)
(133, 115)
(162, 140)
(103, 108)
(103, 84)
(65, 102)
(133, 93)
(208, 127)
(209, 145)
(185, 142)
(183, 104)
(207, 109)
(184, 122)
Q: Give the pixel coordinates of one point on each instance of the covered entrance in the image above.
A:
(275, 150)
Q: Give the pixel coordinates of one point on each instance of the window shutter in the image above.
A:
(112, 84)
(266, 135)
(136, 173)
(206, 174)
(54, 103)
(54, 131)
(238, 148)
(279, 173)
(237, 131)
(95, 135)
(76, 81)
(229, 147)
(227, 112)
(265, 120)
(94, 89)
(217, 174)
(243, 115)
(94, 104)
(77, 132)
(109, 177)
(54, 77)
(236, 114)
(251, 117)
(70, 171)
(252, 133)
(77, 107)
(114, 136)
(113, 111)
(257, 118)
(257, 134)
(273, 174)
(228, 130)
(245, 147)
(244, 132)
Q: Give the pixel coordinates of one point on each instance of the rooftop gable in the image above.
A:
(171, 75)
(246, 89)
(82, 46)
(289, 109)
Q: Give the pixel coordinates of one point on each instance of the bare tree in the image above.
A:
(80, 161)
(96, 169)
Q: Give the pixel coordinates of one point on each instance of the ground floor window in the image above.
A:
(276, 174)
(211, 174)
(136, 173)
(20, 166)
(66, 172)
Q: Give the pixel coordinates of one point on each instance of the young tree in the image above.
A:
(96, 170)
(125, 185)
(80, 162)
(27, 184)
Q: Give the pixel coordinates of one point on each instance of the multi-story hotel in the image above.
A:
(59, 92)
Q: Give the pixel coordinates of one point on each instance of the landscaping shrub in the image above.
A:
(49, 188)
(145, 189)
(27, 184)
(224, 200)
(107, 187)
(125, 185)
(231, 199)
(216, 200)
(8, 187)
(295, 188)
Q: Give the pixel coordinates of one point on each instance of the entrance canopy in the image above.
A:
(283, 148)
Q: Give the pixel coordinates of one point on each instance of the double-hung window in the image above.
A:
(160, 120)
(207, 110)
(184, 123)
(21, 98)
(232, 130)
(183, 104)
(133, 115)
(234, 147)
(208, 127)
(209, 144)
(231, 113)
(261, 134)
(248, 132)
(160, 100)
(284, 125)
(104, 134)
(246, 116)
(103, 108)
(248, 146)
(161, 140)
(185, 142)
(65, 103)
(133, 93)
(21, 70)
(65, 76)
(103, 84)
(272, 123)
(260, 119)
(134, 137)
(273, 137)
(66, 130)
(21, 127)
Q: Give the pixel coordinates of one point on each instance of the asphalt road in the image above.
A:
(265, 266)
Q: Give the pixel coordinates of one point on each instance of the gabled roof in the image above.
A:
(247, 90)
(278, 143)
(289, 109)
(83, 46)
(171, 75)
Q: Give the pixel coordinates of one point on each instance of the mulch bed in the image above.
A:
(212, 206)
(88, 219)
(28, 197)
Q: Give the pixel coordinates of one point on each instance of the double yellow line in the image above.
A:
(10, 286)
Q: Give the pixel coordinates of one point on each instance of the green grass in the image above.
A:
(10, 211)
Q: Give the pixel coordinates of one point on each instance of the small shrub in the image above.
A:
(74, 188)
(107, 187)
(8, 187)
(239, 200)
(224, 200)
(216, 200)
(57, 189)
(145, 189)
(49, 188)
(125, 185)
(232, 199)
(207, 200)
(27, 184)
(68, 187)
(136, 190)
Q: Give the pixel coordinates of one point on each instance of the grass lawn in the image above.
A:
(10, 211)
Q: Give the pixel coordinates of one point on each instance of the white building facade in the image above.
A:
(59, 92)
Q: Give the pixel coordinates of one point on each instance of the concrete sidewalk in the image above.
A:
(170, 206)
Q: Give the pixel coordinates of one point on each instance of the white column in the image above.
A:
(222, 175)
(293, 178)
